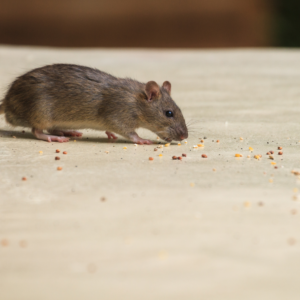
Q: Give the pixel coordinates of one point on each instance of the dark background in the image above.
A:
(156, 23)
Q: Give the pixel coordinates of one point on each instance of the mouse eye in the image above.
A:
(169, 114)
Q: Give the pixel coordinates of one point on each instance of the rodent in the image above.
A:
(60, 98)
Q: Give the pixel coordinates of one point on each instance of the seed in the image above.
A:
(238, 155)
(202, 141)
(59, 168)
(214, 169)
(155, 149)
(247, 204)
(160, 146)
(65, 152)
(218, 141)
(250, 149)
(268, 153)
(275, 167)
(174, 157)
(151, 158)
(204, 155)
(273, 163)
(195, 146)
(74, 140)
(272, 152)
(24, 178)
(200, 145)
(160, 155)
(192, 184)
(4, 242)
(279, 148)
(57, 151)
(184, 155)
(241, 138)
(179, 144)
(185, 142)
(256, 156)
(167, 145)
(40, 152)
(280, 153)
(124, 148)
(106, 152)
(57, 158)
(271, 157)
(179, 157)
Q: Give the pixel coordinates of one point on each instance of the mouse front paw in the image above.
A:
(137, 140)
(111, 135)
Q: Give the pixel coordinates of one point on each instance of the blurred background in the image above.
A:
(155, 23)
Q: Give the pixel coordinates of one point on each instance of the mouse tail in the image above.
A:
(1, 109)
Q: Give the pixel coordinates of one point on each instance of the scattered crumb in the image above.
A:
(272, 152)
(248, 156)
(179, 144)
(185, 142)
(14, 137)
(135, 144)
(174, 157)
(40, 152)
(273, 163)
(260, 203)
(160, 155)
(65, 152)
(179, 158)
(241, 138)
(106, 152)
(24, 178)
(57, 158)
(238, 155)
(200, 145)
(204, 155)
(103, 199)
(271, 157)
(192, 184)
(167, 145)
(247, 204)
(151, 158)
(279, 148)
(184, 155)
(74, 140)
(280, 153)
(124, 148)
(250, 149)
(270, 180)
(214, 170)
(217, 141)
(57, 151)
(295, 190)
(195, 146)
(59, 168)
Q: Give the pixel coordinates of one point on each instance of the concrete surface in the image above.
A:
(167, 229)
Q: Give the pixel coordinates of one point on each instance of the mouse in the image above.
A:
(63, 98)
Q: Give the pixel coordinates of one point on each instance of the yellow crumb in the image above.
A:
(74, 140)
(200, 145)
(41, 152)
(238, 155)
(124, 148)
(241, 138)
(256, 156)
(160, 146)
(214, 169)
(185, 142)
(250, 148)
(160, 155)
(179, 144)
(195, 146)
(247, 204)
(167, 145)
(270, 180)
(273, 163)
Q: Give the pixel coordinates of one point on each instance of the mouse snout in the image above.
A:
(182, 134)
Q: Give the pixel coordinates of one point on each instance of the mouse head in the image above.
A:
(161, 114)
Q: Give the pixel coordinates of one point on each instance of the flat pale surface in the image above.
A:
(167, 229)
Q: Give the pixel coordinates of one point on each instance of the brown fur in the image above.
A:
(63, 96)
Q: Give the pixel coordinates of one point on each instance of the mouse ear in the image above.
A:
(167, 86)
(152, 90)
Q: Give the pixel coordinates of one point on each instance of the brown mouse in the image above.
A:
(60, 98)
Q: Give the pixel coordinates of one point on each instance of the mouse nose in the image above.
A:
(184, 136)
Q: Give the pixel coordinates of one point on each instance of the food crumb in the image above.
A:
(155, 149)
(40, 152)
(106, 152)
(23, 244)
(241, 138)
(174, 157)
(151, 158)
(247, 204)
(179, 144)
(272, 152)
(200, 145)
(124, 148)
(160, 146)
(250, 149)
(295, 190)
(135, 144)
(248, 156)
(270, 180)
(185, 142)
(184, 155)
(279, 148)
(195, 146)
(204, 155)
(280, 153)
(238, 155)
(57, 158)
(214, 169)
(4, 243)
(57, 151)
(74, 140)
(59, 168)
(256, 156)
(179, 158)
(24, 178)
(160, 155)
(192, 184)
(273, 163)
(103, 199)
(260, 203)
(202, 141)
(167, 145)
(217, 141)
(65, 152)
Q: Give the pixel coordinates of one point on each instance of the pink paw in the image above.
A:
(111, 135)
(141, 141)
(60, 139)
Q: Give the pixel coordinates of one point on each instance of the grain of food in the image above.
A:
(65, 152)
(59, 168)
(40, 152)
(238, 155)
(160, 146)
(217, 141)
(280, 153)
(202, 141)
(273, 163)
(256, 156)
(279, 148)
(241, 138)
(275, 167)
(167, 145)
(272, 152)
(200, 145)
(155, 149)
(160, 155)
(174, 157)
(270, 180)
(248, 156)
(185, 142)
(183, 154)
(124, 148)
(151, 158)
(214, 170)
(179, 144)
(135, 144)
(57, 158)
(268, 153)
(271, 157)
(106, 152)
(204, 155)
(247, 204)
(195, 146)
(250, 149)
(179, 158)
(4, 243)
(192, 184)
(57, 151)
(24, 178)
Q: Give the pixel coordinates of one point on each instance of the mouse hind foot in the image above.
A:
(49, 138)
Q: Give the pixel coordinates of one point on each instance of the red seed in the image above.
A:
(204, 155)
(65, 152)
(179, 157)
(24, 178)
(279, 148)
(272, 152)
(57, 151)
(174, 157)
(57, 158)
(151, 158)
(280, 152)
(184, 155)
